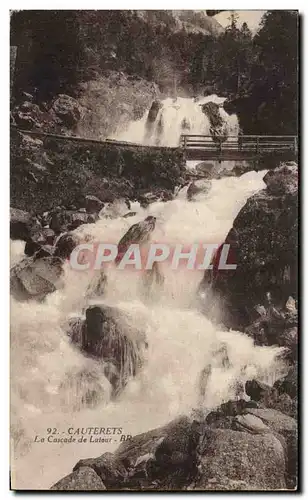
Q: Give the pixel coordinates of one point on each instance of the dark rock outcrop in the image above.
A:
(153, 111)
(22, 225)
(198, 187)
(289, 383)
(277, 326)
(232, 460)
(62, 220)
(218, 129)
(266, 249)
(107, 335)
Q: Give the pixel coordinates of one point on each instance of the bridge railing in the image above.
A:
(245, 143)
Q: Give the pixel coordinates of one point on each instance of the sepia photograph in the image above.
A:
(154, 238)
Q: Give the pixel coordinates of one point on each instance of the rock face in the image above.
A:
(83, 479)
(233, 460)
(266, 249)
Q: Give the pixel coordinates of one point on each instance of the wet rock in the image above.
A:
(129, 214)
(83, 479)
(145, 199)
(97, 285)
(62, 220)
(271, 397)
(31, 247)
(211, 110)
(22, 225)
(276, 327)
(93, 204)
(65, 245)
(153, 112)
(255, 462)
(206, 169)
(138, 233)
(41, 241)
(83, 389)
(261, 392)
(35, 278)
(106, 334)
(198, 187)
(163, 458)
(48, 235)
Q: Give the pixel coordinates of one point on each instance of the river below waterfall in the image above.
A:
(181, 340)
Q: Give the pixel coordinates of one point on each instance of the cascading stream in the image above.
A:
(178, 116)
(46, 388)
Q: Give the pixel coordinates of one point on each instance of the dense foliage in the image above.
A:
(60, 49)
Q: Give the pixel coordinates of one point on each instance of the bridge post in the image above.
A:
(257, 145)
(295, 145)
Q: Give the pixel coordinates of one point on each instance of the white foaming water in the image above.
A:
(177, 116)
(181, 341)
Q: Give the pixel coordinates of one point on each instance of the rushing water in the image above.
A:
(177, 116)
(182, 341)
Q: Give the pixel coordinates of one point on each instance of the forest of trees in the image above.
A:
(60, 49)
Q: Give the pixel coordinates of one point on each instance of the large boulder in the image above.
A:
(266, 250)
(153, 111)
(277, 326)
(66, 109)
(160, 459)
(35, 278)
(107, 334)
(28, 115)
(198, 187)
(62, 220)
(232, 460)
(22, 225)
(83, 479)
(285, 426)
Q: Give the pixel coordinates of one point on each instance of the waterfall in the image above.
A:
(51, 377)
(175, 117)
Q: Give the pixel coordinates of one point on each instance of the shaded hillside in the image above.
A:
(155, 45)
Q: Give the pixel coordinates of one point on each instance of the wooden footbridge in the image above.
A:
(201, 147)
(242, 147)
